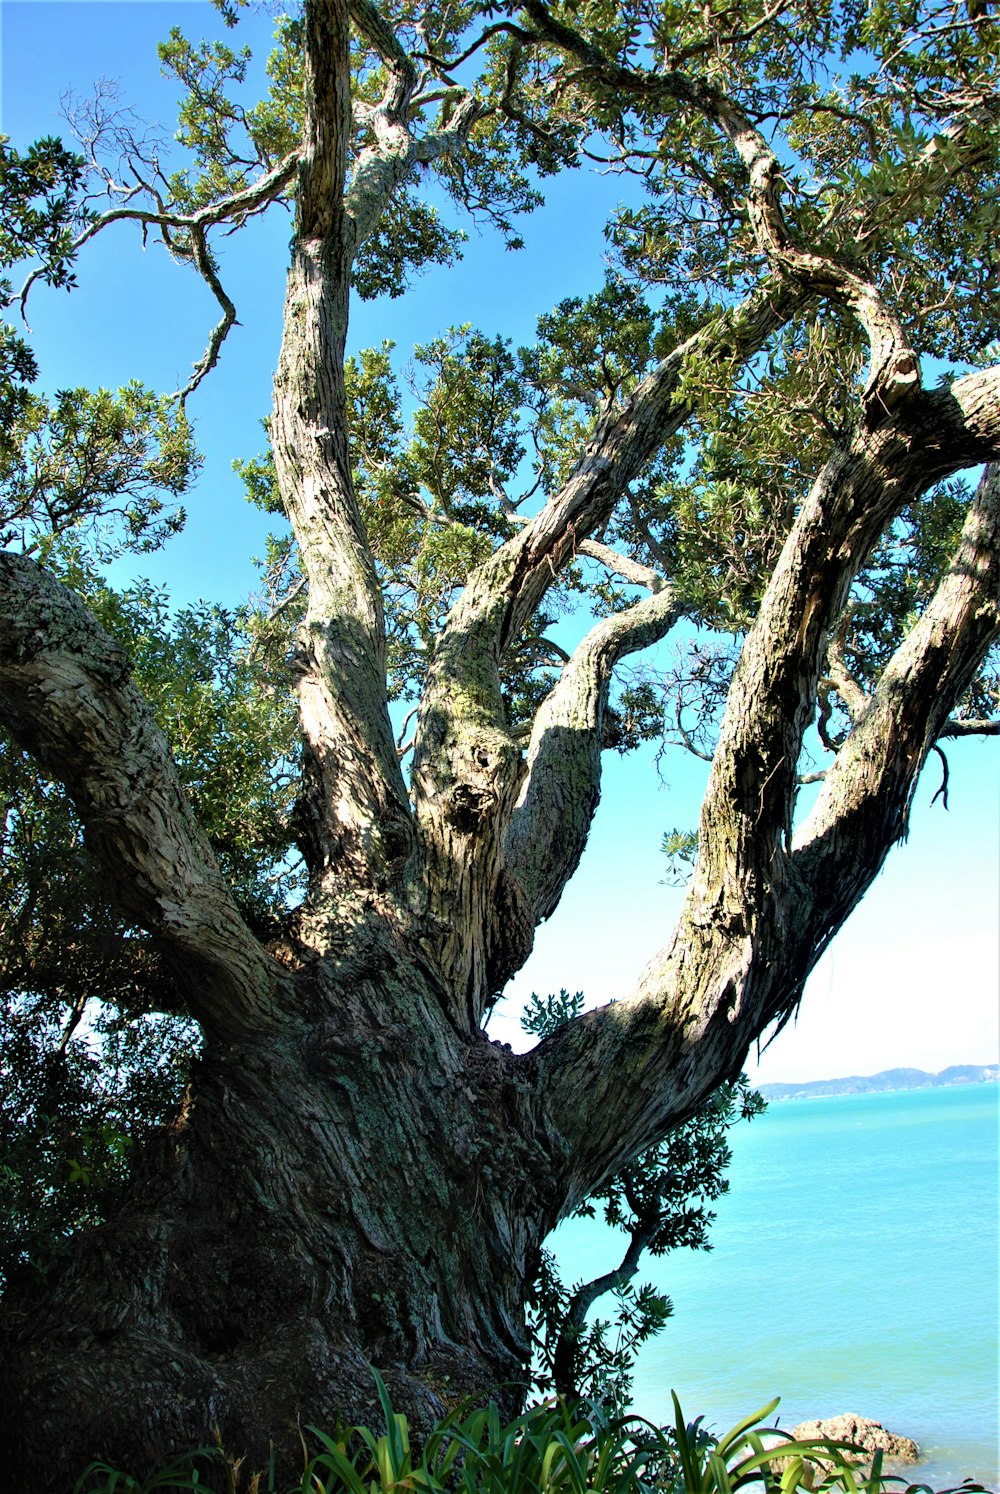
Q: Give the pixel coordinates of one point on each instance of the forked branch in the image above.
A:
(863, 807)
(234, 209)
(614, 1080)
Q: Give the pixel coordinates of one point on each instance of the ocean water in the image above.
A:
(854, 1269)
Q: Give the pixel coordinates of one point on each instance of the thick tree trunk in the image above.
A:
(362, 1191)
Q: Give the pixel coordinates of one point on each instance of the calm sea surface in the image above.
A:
(854, 1269)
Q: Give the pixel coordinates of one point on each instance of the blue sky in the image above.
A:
(913, 978)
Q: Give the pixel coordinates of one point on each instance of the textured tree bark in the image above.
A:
(364, 1190)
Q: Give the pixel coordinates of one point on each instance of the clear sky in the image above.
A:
(912, 980)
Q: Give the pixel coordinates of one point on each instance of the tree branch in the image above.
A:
(551, 821)
(622, 565)
(863, 808)
(966, 728)
(206, 268)
(354, 819)
(467, 766)
(894, 371)
(235, 208)
(66, 697)
(564, 1358)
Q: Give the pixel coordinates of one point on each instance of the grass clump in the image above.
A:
(553, 1448)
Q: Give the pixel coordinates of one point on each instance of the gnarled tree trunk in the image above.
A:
(358, 1187)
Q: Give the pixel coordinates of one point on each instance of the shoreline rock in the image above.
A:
(870, 1436)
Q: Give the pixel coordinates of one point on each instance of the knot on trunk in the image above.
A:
(468, 804)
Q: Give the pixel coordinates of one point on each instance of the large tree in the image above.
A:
(747, 431)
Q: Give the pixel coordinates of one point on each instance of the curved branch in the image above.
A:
(551, 821)
(66, 697)
(564, 1358)
(239, 206)
(942, 792)
(863, 807)
(847, 687)
(894, 369)
(772, 698)
(206, 268)
(399, 66)
(445, 66)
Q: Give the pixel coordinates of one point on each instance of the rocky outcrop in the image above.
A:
(870, 1436)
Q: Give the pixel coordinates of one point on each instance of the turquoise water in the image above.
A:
(854, 1269)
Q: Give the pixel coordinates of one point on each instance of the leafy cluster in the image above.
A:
(39, 212)
(84, 1084)
(230, 142)
(95, 465)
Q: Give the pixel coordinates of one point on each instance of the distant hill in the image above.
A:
(888, 1079)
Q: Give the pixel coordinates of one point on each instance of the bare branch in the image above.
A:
(206, 268)
(246, 203)
(942, 792)
(234, 209)
(847, 687)
(622, 565)
(446, 65)
(967, 728)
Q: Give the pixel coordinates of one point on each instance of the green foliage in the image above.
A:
(83, 1085)
(409, 233)
(38, 214)
(96, 465)
(681, 850)
(229, 715)
(38, 209)
(552, 1448)
(659, 1200)
(228, 140)
(543, 1015)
